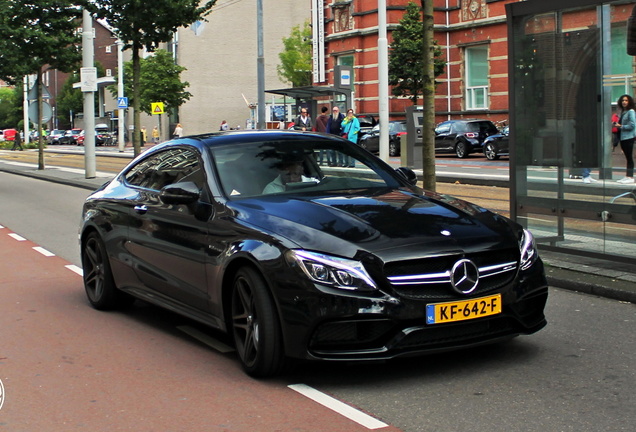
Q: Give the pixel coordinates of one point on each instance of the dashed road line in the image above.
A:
(338, 406)
(43, 251)
(75, 269)
(16, 237)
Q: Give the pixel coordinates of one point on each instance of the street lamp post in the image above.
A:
(383, 81)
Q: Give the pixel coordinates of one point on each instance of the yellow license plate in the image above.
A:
(438, 313)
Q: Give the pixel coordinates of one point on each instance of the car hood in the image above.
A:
(385, 223)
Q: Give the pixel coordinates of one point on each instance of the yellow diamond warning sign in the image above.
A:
(156, 107)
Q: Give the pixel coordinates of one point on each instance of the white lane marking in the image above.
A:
(43, 251)
(75, 269)
(17, 237)
(1, 227)
(339, 407)
(206, 339)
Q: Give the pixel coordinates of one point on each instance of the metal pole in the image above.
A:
(383, 81)
(25, 108)
(89, 97)
(121, 124)
(260, 65)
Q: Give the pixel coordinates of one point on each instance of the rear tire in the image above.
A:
(255, 326)
(461, 150)
(393, 149)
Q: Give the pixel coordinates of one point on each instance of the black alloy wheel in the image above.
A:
(255, 325)
(490, 150)
(393, 149)
(460, 149)
(98, 277)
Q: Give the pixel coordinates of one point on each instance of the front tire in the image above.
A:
(491, 152)
(98, 277)
(255, 325)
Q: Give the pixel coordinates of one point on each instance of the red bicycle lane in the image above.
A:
(67, 367)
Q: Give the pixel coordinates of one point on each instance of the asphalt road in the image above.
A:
(577, 374)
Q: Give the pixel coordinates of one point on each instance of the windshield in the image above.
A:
(299, 166)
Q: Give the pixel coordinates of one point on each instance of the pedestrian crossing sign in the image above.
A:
(122, 102)
(156, 107)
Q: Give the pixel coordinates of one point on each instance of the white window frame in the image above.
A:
(475, 93)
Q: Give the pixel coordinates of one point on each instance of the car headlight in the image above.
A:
(333, 271)
(528, 247)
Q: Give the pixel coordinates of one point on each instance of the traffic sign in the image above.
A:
(122, 102)
(156, 107)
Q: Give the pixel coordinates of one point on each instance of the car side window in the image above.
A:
(443, 128)
(167, 167)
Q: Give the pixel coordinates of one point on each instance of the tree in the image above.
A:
(406, 60)
(159, 81)
(9, 114)
(296, 58)
(35, 36)
(147, 24)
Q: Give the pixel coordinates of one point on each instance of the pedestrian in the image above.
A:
(334, 126)
(17, 142)
(320, 125)
(350, 131)
(303, 121)
(178, 131)
(351, 127)
(224, 126)
(155, 135)
(144, 136)
(627, 130)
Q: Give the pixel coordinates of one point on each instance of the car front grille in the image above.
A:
(430, 278)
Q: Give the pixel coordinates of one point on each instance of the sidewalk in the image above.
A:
(594, 276)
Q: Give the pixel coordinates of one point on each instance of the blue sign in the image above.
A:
(122, 102)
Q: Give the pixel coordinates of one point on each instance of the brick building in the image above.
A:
(471, 33)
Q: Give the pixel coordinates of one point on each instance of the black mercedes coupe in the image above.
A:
(254, 234)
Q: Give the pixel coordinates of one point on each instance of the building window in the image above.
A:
(108, 49)
(476, 78)
(109, 72)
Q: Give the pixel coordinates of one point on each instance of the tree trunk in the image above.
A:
(39, 120)
(136, 135)
(428, 96)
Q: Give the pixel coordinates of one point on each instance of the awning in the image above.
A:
(307, 92)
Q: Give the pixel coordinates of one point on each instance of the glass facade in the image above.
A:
(568, 66)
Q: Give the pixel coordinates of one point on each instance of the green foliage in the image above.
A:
(406, 70)
(69, 99)
(38, 34)
(140, 24)
(10, 108)
(296, 59)
(159, 82)
(72, 99)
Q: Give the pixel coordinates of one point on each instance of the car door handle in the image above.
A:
(141, 208)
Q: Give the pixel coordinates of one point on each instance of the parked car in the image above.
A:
(497, 145)
(54, 137)
(352, 264)
(366, 124)
(103, 136)
(462, 137)
(371, 141)
(1, 135)
(70, 137)
(9, 134)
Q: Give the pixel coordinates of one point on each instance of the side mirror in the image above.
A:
(408, 174)
(180, 193)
